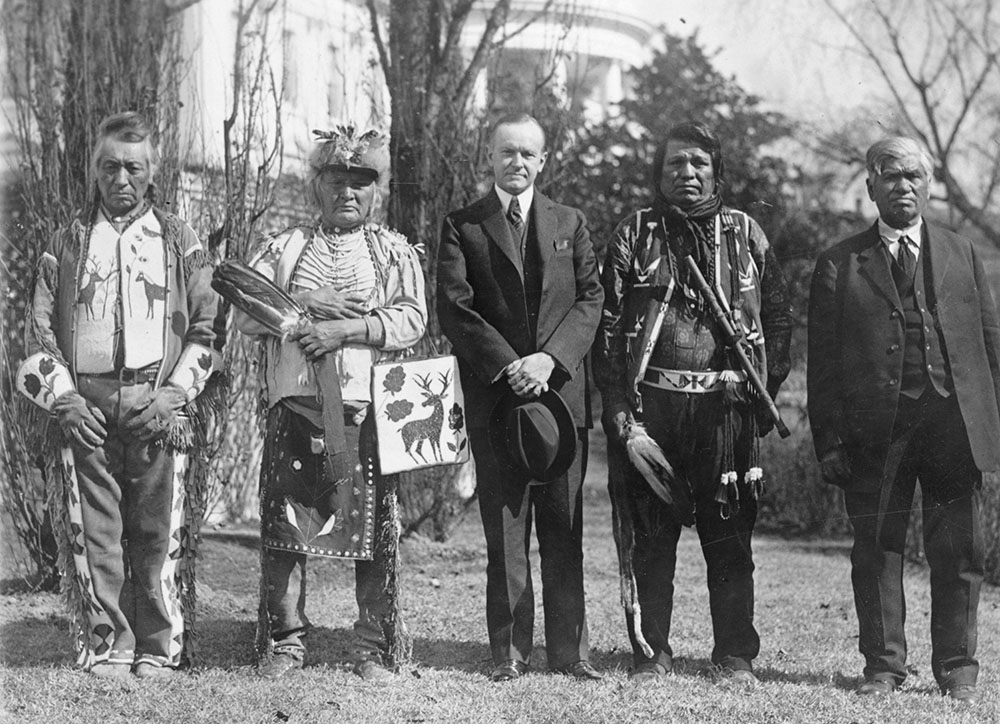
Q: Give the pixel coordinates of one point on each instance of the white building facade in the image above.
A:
(325, 64)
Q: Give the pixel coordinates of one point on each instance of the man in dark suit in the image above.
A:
(519, 299)
(903, 385)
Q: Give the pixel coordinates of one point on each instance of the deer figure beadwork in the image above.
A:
(88, 290)
(154, 292)
(429, 428)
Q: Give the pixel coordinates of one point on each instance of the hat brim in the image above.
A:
(566, 452)
(369, 174)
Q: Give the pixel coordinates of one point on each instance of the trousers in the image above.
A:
(929, 443)
(284, 572)
(131, 502)
(689, 430)
(507, 506)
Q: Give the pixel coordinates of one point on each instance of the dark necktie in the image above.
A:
(905, 265)
(514, 218)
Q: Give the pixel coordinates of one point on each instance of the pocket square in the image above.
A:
(562, 244)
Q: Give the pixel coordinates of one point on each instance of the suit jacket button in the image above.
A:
(894, 314)
(893, 382)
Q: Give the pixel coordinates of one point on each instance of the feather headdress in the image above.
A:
(344, 148)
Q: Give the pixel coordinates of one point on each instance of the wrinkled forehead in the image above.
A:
(895, 165)
(122, 151)
(358, 176)
(680, 151)
(519, 136)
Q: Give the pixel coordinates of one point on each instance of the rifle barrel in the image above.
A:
(733, 342)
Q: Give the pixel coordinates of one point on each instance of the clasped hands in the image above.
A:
(327, 303)
(84, 424)
(340, 315)
(80, 421)
(529, 376)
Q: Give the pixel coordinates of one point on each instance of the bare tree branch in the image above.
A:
(383, 54)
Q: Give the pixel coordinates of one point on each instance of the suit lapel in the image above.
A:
(496, 228)
(873, 263)
(545, 227)
(940, 261)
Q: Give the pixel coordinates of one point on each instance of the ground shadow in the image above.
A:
(767, 673)
(33, 641)
(224, 643)
(14, 586)
(452, 655)
(836, 549)
(245, 537)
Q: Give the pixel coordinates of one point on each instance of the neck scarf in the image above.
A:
(692, 227)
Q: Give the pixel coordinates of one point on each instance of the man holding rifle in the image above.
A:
(681, 409)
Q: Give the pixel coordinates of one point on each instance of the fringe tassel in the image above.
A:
(73, 598)
(263, 643)
(624, 536)
(727, 495)
(398, 639)
(194, 511)
(754, 476)
(193, 431)
(194, 261)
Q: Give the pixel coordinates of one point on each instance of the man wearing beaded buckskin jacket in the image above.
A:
(671, 388)
(122, 337)
(363, 288)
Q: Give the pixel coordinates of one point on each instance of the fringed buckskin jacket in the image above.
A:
(194, 332)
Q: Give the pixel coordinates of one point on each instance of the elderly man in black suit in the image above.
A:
(519, 299)
(904, 384)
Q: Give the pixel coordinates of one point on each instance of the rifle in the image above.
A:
(732, 338)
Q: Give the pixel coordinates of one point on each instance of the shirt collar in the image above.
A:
(523, 199)
(892, 235)
(123, 222)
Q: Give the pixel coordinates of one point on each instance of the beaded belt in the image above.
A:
(691, 382)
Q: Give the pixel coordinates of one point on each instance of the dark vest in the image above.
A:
(925, 360)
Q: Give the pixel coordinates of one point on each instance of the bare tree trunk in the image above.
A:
(69, 65)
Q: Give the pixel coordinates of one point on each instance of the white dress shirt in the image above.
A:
(523, 200)
(891, 237)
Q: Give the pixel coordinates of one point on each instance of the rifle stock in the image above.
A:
(733, 342)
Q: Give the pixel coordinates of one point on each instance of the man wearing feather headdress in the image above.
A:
(680, 420)
(122, 336)
(361, 293)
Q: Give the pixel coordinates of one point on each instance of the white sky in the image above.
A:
(789, 52)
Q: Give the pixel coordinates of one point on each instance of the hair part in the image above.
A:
(894, 148)
(697, 134)
(128, 127)
(516, 119)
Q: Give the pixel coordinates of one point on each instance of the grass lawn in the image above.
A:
(808, 664)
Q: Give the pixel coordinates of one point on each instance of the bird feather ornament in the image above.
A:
(257, 296)
(647, 457)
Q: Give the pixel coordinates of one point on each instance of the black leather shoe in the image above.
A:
(966, 694)
(279, 665)
(580, 670)
(876, 687)
(509, 670)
